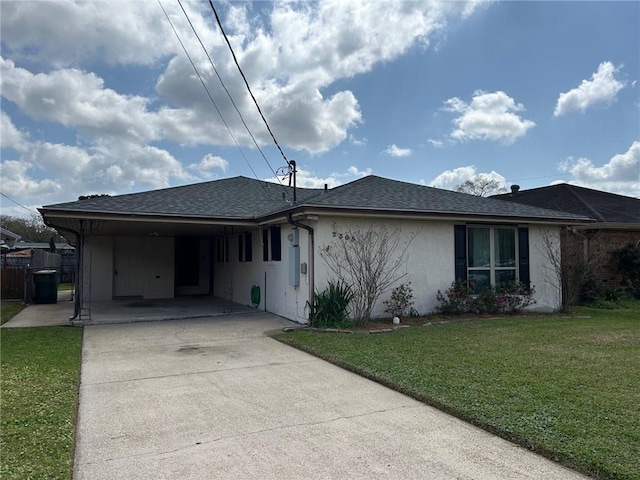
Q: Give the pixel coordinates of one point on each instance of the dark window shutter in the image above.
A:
(460, 240)
(248, 247)
(240, 248)
(265, 245)
(276, 249)
(523, 260)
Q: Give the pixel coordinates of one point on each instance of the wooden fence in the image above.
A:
(12, 283)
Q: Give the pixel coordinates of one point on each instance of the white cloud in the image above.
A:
(289, 55)
(78, 99)
(358, 142)
(436, 143)
(601, 90)
(16, 182)
(450, 179)
(307, 179)
(10, 136)
(489, 116)
(395, 151)
(353, 170)
(621, 174)
(210, 162)
(50, 173)
(65, 33)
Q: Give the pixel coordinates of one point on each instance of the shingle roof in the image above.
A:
(602, 206)
(245, 198)
(379, 193)
(237, 198)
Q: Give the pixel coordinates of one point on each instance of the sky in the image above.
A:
(101, 98)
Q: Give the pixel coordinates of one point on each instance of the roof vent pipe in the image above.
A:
(515, 189)
(326, 187)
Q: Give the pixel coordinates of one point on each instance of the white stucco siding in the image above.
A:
(430, 260)
(156, 266)
(428, 263)
(276, 294)
(98, 268)
(543, 276)
(158, 280)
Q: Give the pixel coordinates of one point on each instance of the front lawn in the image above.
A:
(567, 387)
(9, 308)
(40, 378)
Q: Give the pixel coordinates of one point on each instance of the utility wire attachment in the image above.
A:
(246, 82)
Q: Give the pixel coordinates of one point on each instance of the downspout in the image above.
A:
(79, 247)
(585, 243)
(310, 254)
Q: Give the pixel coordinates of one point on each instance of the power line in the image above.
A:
(227, 91)
(207, 90)
(246, 82)
(19, 204)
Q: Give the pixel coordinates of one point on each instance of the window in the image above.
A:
(222, 250)
(488, 256)
(271, 244)
(245, 247)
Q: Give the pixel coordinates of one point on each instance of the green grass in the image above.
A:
(40, 378)
(65, 286)
(9, 308)
(568, 388)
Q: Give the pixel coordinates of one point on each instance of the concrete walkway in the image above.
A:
(215, 398)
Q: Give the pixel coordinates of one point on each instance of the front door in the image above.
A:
(128, 267)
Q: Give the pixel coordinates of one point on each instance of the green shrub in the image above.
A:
(629, 267)
(507, 298)
(330, 308)
(456, 300)
(401, 302)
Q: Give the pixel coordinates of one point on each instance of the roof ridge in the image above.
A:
(578, 197)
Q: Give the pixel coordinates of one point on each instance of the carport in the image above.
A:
(129, 311)
(149, 266)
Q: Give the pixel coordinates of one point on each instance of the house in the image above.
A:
(8, 239)
(233, 237)
(588, 249)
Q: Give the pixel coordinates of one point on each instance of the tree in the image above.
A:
(569, 271)
(31, 229)
(482, 186)
(368, 260)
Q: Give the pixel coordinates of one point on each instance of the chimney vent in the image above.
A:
(515, 189)
(326, 186)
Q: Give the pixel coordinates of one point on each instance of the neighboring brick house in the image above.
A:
(591, 246)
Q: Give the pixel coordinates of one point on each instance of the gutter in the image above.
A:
(310, 253)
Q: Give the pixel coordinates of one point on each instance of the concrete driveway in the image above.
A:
(216, 398)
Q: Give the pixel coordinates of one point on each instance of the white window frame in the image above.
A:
(492, 260)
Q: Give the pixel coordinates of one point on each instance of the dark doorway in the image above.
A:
(187, 261)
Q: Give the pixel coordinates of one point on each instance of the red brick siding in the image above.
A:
(601, 246)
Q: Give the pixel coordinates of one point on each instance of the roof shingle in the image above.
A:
(245, 198)
(602, 206)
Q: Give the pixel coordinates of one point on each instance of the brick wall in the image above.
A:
(599, 247)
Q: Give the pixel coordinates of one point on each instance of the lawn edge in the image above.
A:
(76, 413)
(426, 399)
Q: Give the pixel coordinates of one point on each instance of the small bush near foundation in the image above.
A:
(401, 302)
(330, 307)
(456, 300)
(508, 298)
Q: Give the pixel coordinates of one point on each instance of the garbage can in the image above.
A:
(46, 282)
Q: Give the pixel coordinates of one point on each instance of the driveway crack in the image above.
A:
(255, 432)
